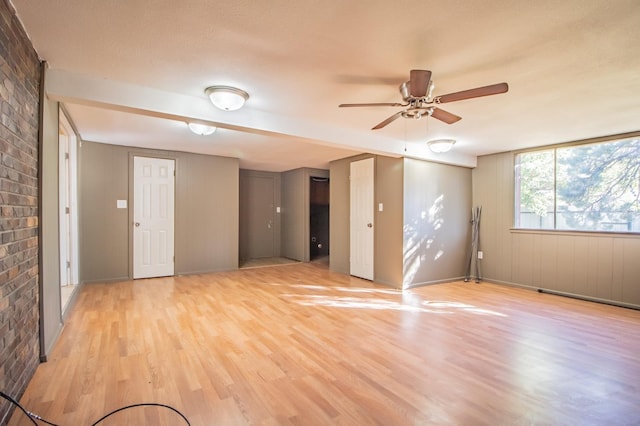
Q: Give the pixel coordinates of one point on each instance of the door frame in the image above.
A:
(130, 201)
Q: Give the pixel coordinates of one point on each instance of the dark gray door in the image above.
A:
(257, 209)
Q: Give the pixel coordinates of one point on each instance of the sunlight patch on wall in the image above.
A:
(420, 237)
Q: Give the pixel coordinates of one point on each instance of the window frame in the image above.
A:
(554, 148)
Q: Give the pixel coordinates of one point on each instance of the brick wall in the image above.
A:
(19, 109)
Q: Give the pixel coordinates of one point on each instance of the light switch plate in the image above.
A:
(121, 204)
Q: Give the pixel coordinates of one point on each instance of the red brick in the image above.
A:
(19, 108)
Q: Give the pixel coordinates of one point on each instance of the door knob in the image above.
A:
(137, 224)
(370, 225)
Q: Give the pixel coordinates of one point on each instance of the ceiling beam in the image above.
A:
(67, 87)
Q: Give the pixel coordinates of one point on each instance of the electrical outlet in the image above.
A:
(480, 255)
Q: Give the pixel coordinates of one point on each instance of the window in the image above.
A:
(591, 187)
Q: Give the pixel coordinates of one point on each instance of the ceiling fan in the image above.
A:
(417, 96)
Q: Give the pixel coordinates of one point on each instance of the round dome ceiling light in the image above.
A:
(226, 98)
(441, 145)
(201, 129)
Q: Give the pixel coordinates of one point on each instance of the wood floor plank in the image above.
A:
(297, 344)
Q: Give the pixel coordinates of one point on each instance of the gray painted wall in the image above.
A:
(423, 232)
(51, 320)
(206, 221)
(293, 214)
(103, 178)
(207, 218)
(594, 265)
(437, 211)
(388, 222)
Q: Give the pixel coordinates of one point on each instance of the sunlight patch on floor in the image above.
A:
(437, 307)
(345, 289)
(353, 302)
(463, 307)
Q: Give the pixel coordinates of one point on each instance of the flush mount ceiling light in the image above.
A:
(201, 129)
(226, 98)
(441, 145)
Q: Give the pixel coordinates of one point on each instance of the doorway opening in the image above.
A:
(259, 225)
(318, 218)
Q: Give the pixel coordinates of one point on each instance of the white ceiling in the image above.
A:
(133, 72)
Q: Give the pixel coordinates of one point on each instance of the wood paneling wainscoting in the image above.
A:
(595, 265)
(298, 344)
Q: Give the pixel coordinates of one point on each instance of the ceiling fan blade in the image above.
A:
(391, 104)
(478, 92)
(445, 116)
(419, 83)
(387, 121)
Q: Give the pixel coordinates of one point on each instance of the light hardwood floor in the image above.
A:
(297, 344)
(265, 261)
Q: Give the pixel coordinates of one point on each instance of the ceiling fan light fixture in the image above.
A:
(201, 129)
(227, 98)
(441, 145)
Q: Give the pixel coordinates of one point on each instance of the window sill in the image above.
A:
(575, 233)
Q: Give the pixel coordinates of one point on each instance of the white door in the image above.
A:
(68, 204)
(361, 223)
(65, 208)
(153, 217)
